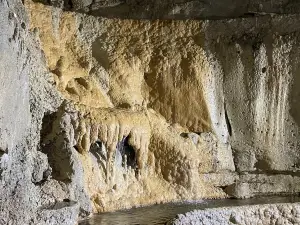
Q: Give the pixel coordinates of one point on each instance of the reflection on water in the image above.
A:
(160, 214)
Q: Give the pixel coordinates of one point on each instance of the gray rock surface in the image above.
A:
(63, 213)
(18, 194)
(278, 214)
(26, 94)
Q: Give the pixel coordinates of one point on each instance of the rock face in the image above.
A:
(100, 114)
(177, 9)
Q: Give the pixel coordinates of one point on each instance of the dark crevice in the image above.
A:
(47, 125)
(2, 152)
(14, 37)
(235, 159)
(56, 72)
(229, 128)
(262, 165)
(23, 25)
(68, 4)
(224, 187)
(152, 10)
(124, 105)
(184, 135)
(82, 81)
(128, 153)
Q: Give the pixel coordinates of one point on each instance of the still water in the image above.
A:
(160, 214)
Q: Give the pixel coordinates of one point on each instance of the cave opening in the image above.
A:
(53, 144)
(128, 153)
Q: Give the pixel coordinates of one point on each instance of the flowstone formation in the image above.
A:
(100, 114)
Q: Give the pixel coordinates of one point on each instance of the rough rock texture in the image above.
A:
(26, 94)
(258, 214)
(108, 114)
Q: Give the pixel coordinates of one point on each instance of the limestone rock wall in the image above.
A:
(115, 113)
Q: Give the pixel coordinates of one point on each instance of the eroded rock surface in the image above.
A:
(257, 214)
(109, 114)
